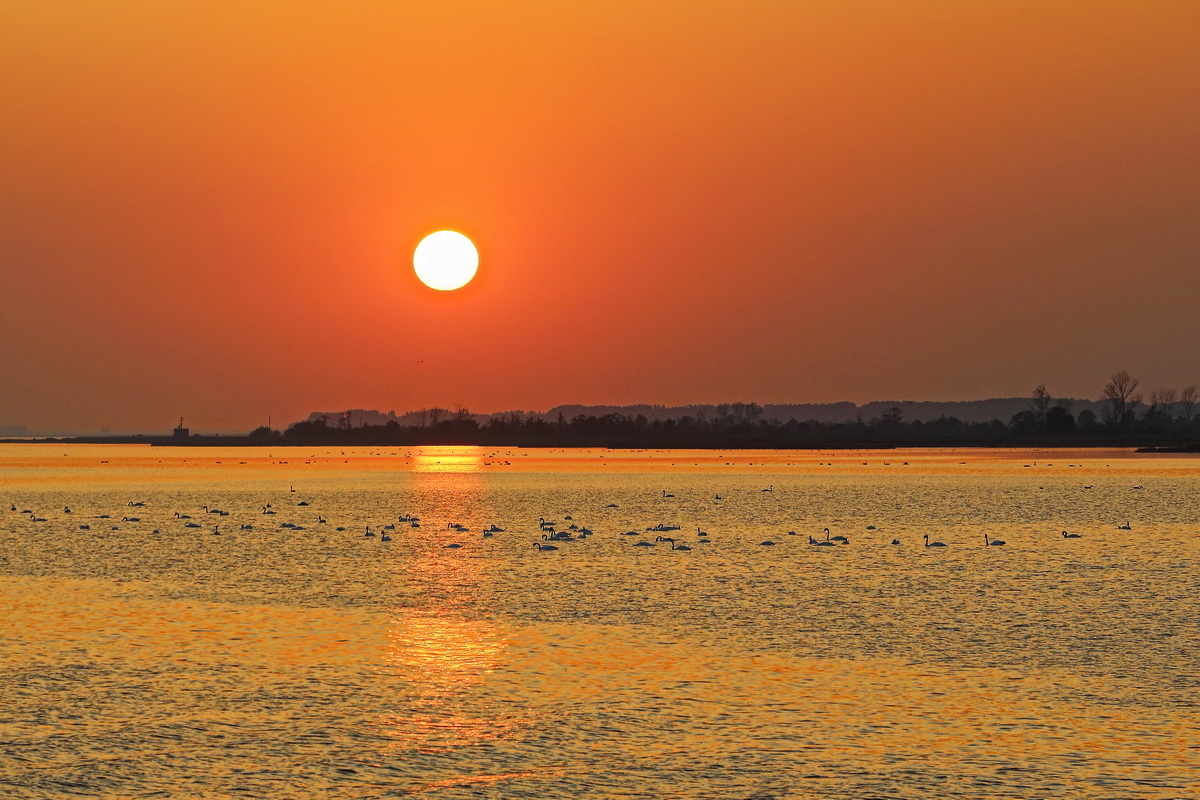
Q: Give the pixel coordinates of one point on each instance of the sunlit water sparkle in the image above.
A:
(299, 663)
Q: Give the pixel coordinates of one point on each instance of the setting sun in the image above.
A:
(446, 260)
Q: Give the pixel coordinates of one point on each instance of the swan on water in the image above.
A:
(993, 542)
(1071, 535)
(838, 538)
(933, 544)
(539, 546)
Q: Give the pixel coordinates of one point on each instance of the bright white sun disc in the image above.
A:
(446, 260)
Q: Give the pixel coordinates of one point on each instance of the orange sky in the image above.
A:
(209, 209)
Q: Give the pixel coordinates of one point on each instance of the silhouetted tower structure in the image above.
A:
(180, 431)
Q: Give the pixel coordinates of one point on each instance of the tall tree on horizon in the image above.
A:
(1120, 398)
(1187, 404)
(1041, 402)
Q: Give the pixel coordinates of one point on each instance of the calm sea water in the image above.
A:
(151, 659)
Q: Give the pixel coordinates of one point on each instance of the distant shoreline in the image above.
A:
(1141, 444)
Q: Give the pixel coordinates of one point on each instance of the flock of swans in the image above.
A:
(551, 534)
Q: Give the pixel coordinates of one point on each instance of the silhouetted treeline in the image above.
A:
(741, 425)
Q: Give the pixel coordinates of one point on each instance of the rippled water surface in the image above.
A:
(146, 658)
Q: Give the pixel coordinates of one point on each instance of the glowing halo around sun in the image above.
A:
(446, 260)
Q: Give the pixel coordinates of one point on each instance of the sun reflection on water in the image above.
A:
(441, 655)
(443, 663)
(448, 459)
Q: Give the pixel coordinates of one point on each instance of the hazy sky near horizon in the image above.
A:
(209, 209)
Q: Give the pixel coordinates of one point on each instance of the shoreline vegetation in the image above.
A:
(216, 440)
(1166, 423)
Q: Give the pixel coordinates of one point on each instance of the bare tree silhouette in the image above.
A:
(1121, 401)
(1041, 402)
(1187, 404)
